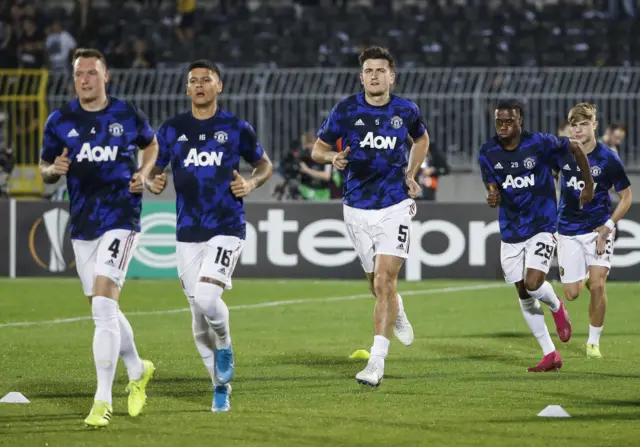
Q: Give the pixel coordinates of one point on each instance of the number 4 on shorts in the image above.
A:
(114, 248)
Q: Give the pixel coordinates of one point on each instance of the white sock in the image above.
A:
(106, 344)
(534, 316)
(594, 335)
(128, 351)
(203, 336)
(209, 299)
(379, 349)
(547, 295)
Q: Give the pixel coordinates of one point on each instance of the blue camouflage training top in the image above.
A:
(102, 148)
(377, 137)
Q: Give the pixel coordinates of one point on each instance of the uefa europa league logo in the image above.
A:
(55, 224)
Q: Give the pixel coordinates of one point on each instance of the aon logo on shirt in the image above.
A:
(577, 184)
(203, 158)
(519, 182)
(97, 153)
(378, 141)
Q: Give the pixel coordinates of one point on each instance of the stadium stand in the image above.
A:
(148, 33)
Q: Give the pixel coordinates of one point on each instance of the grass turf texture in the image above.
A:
(462, 382)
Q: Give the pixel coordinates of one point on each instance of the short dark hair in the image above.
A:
(617, 126)
(86, 53)
(205, 63)
(511, 104)
(376, 52)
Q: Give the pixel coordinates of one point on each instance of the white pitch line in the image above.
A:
(267, 304)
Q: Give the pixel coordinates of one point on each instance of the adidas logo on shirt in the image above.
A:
(223, 271)
(566, 168)
(359, 123)
(400, 247)
(72, 133)
(497, 166)
(183, 137)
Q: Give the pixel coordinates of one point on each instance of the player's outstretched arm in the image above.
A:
(262, 171)
(585, 171)
(51, 172)
(417, 154)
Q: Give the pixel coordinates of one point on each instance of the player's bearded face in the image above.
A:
(203, 86)
(377, 77)
(508, 124)
(90, 78)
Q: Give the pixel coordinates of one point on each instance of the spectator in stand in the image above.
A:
(8, 43)
(32, 44)
(85, 26)
(60, 44)
(143, 55)
(121, 57)
(185, 19)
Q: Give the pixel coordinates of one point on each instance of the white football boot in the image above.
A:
(371, 375)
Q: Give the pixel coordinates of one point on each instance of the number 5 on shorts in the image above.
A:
(403, 233)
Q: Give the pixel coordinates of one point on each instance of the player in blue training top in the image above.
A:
(204, 147)
(586, 233)
(517, 168)
(375, 128)
(93, 140)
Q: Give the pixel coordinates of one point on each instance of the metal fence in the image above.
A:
(457, 103)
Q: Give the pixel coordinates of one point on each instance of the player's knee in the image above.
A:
(104, 285)
(105, 312)
(532, 283)
(597, 286)
(571, 292)
(208, 298)
(382, 284)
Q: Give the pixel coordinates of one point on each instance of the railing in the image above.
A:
(23, 112)
(457, 103)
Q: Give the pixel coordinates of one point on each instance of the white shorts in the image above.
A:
(380, 232)
(577, 253)
(109, 255)
(534, 253)
(215, 259)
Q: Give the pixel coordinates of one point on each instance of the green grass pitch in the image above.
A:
(462, 382)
